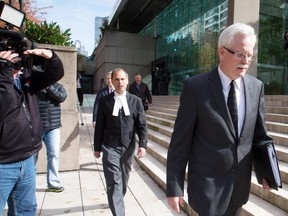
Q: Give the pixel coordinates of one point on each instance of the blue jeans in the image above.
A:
(51, 139)
(18, 184)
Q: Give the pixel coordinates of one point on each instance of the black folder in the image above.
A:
(266, 166)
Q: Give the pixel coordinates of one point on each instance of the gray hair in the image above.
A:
(227, 35)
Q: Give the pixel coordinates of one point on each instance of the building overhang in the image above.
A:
(133, 15)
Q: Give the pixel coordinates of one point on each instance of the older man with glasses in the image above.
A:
(220, 118)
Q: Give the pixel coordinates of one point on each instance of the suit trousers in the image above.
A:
(232, 210)
(117, 165)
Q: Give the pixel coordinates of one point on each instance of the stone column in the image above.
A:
(246, 11)
(69, 146)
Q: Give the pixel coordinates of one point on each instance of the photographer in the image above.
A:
(20, 127)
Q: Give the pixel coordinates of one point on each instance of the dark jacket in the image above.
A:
(101, 93)
(20, 123)
(142, 93)
(219, 163)
(49, 100)
(120, 130)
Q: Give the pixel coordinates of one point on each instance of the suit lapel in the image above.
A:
(216, 90)
(249, 100)
(128, 97)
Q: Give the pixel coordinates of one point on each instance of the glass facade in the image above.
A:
(272, 57)
(186, 35)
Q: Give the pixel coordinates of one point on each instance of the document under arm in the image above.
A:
(266, 165)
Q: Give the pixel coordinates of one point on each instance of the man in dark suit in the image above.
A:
(141, 90)
(80, 88)
(109, 88)
(216, 149)
(120, 115)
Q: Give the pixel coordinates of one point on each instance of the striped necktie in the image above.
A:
(232, 106)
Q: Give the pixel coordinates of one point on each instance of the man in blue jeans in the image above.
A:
(49, 101)
(20, 127)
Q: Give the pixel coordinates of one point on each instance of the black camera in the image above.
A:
(17, 41)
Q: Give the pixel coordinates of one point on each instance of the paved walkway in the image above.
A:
(85, 188)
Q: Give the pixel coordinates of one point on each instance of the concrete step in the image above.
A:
(157, 151)
(275, 103)
(166, 105)
(156, 125)
(277, 198)
(275, 109)
(277, 127)
(165, 130)
(157, 171)
(167, 116)
(155, 165)
(159, 143)
(259, 207)
(160, 153)
(157, 130)
(282, 153)
(160, 122)
(159, 138)
(279, 138)
(164, 110)
(274, 117)
(283, 167)
(276, 100)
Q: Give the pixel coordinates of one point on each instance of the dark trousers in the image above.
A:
(231, 211)
(80, 95)
(117, 164)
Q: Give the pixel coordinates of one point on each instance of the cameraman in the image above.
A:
(20, 127)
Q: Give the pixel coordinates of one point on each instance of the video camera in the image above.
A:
(17, 41)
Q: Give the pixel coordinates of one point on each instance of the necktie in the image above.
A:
(232, 106)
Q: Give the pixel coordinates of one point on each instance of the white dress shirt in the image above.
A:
(240, 96)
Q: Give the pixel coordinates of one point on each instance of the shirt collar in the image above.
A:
(119, 95)
(226, 80)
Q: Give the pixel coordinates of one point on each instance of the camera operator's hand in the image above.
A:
(10, 56)
(40, 52)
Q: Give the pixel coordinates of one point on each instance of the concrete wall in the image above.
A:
(250, 16)
(134, 53)
(69, 149)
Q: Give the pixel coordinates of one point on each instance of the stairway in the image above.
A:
(160, 123)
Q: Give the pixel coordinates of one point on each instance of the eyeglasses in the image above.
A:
(240, 55)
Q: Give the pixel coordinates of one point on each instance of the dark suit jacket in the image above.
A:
(101, 93)
(120, 130)
(142, 93)
(219, 166)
